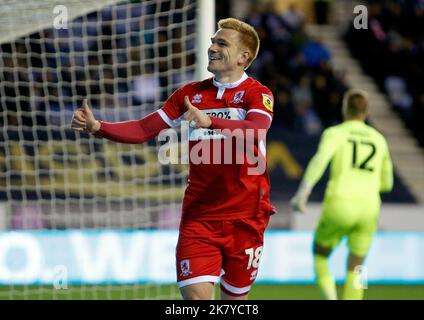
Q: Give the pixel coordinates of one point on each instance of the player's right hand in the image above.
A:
(195, 116)
(83, 119)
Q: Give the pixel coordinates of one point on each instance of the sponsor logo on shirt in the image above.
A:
(217, 146)
(267, 101)
(185, 267)
(197, 98)
(195, 134)
(238, 97)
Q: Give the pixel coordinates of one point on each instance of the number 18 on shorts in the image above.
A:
(208, 250)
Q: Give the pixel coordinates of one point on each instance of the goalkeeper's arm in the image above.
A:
(134, 131)
(386, 180)
(315, 170)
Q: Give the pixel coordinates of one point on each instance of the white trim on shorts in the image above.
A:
(235, 290)
(198, 279)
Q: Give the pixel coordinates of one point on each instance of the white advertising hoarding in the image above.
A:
(106, 256)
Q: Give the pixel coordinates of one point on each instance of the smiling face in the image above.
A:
(226, 54)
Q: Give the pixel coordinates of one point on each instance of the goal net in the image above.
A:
(82, 217)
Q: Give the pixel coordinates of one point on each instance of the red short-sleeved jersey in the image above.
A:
(222, 191)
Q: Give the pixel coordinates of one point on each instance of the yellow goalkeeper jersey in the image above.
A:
(360, 162)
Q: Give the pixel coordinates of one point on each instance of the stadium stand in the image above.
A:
(392, 52)
(297, 68)
(294, 61)
(297, 64)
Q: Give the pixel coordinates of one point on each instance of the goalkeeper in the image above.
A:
(360, 169)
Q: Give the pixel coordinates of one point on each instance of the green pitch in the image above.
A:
(258, 292)
(310, 292)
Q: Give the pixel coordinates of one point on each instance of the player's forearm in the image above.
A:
(315, 170)
(134, 131)
(253, 122)
(386, 182)
(321, 159)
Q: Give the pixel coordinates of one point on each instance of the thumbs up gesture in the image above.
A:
(197, 117)
(83, 119)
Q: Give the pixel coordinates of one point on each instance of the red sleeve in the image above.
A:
(173, 107)
(253, 120)
(259, 106)
(260, 99)
(134, 131)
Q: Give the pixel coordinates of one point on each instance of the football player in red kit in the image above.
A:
(226, 205)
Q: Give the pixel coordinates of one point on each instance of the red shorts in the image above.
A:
(232, 249)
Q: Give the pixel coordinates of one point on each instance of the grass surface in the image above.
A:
(310, 292)
(258, 292)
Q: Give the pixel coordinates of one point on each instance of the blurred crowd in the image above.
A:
(297, 68)
(392, 51)
(139, 54)
(119, 56)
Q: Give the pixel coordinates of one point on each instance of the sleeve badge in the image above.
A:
(267, 101)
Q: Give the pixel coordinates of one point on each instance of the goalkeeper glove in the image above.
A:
(299, 200)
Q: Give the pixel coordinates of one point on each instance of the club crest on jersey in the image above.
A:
(197, 98)
(185, 267)
(267, 101)
(238, 97)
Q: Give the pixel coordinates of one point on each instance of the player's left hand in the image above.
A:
(300, 199)
(195, 116)
(298, 203)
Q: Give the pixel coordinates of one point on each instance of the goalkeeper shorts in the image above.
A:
(226, 249)
(358, 220)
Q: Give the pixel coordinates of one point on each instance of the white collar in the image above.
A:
(230, 85)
